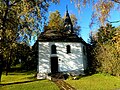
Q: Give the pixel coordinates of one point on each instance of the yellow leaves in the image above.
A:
(107, 53)
(38, 10)
(109, 59)
(103, 9)
(25, 6)
(73, 19)
(9, 34)
(55, 20)
(14, 45)
(116, 40)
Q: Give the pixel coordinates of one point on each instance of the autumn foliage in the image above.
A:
(106, 50)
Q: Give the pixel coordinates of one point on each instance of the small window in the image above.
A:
(53, 49)
(68, 49)
(84, 50)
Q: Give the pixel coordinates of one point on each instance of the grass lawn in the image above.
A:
(96, 82)
(23, 81)
(17, 81)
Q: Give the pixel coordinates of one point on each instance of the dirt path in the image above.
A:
(63, 85)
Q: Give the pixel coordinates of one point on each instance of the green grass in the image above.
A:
(17, 81)
(16, 77)
(93, 82)
(96, 82)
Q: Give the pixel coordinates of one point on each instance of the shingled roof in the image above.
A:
(55, 36)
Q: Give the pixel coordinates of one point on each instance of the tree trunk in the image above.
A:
(1, 66)
(7, 67)
(0, 73)
(2, 40)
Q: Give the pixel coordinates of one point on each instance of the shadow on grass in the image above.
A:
(19, 82)
(23, 72)
(16, 74)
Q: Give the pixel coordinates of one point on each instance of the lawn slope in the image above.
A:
(23, 81)
(96, 82)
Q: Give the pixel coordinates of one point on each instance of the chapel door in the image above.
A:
(54, 65)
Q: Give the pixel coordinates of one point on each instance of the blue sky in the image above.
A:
(84, 16)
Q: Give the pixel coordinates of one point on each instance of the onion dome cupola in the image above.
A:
(67, 23)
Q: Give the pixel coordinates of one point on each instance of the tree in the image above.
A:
(101, 9)
(105, 34)
(76, 27)
(56, 22)
(19, 17)
(106, 51)
(24, 56)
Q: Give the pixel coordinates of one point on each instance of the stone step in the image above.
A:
(41, 76)
(59, 76)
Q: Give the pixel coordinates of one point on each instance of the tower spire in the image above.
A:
(67, 23)
(67, 8)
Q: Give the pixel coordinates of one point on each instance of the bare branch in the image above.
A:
(117, 1)
(113, 21)
(14, 3)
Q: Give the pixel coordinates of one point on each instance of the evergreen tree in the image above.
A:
(55, 21)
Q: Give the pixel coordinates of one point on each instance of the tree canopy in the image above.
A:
(101, 9)
(106, 50)
(19, 18)
(57, 22)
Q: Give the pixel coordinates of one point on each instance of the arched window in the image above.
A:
(68, 49)
(53, 49)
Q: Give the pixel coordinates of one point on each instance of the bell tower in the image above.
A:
(67, 22)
